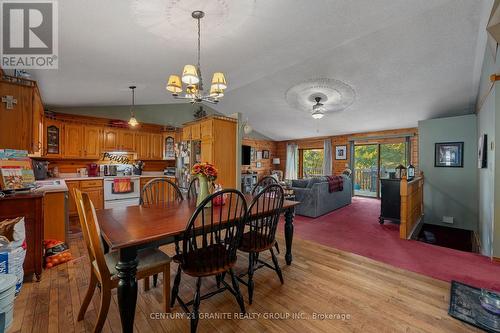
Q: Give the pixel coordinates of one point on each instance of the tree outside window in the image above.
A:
(312, 162)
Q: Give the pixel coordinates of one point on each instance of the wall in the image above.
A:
(260, 145)
(161, 114)
(340, 165)
(450, 191)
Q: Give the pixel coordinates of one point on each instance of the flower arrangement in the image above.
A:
(205, 169)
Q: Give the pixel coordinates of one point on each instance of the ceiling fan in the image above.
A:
(318, 109)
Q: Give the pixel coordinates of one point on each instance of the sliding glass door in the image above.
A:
(375, 161)
(366, 159)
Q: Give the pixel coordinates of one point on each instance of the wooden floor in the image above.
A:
(371, 297)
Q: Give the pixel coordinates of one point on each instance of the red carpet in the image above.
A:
(355, 229)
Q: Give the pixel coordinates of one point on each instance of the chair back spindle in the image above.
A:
(213, 233)
(160, 191)
(262, 183)
(265, 208)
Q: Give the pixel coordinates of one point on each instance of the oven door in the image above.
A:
(113, 193)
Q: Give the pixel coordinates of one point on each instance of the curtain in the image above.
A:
(292, 155)
(327, 157)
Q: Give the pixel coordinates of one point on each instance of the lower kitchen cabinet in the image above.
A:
(94, 188)
(55, 216)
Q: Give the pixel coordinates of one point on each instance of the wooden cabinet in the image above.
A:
(195, 131)
(31, 207)
(126, 140)
(141, 141)
(17, 120)
(110, 139)
(186, 133)
(218, 146)
(55, 216)
(37, 126)
(92, 142)
(206, 129)
(71, 195)
(156, 145)
(94, 188)
(73, 140)
(53, 138)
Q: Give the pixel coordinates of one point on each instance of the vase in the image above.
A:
(203, 193)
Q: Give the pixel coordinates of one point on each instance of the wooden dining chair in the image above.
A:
(103, 266)
(209, 248)
(262, 183)
(160, 191)
(260, 232)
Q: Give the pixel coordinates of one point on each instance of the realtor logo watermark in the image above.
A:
(29, 32)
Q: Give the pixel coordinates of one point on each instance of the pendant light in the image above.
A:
(191, 77)
(132, 122)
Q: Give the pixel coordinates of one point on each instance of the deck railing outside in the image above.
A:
(313, 172)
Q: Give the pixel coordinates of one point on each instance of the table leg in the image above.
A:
(127, 287)
(289, 214)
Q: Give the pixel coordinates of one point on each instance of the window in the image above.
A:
(311, 162)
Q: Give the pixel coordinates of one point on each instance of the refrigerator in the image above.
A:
(188, 153)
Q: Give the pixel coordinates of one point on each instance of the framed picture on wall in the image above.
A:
(252, 154)
(259, 164)
(449, 155)
(265, 154)
(341, 152)
(259, 155)
(482, 152)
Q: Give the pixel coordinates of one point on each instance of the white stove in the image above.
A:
(115, 197)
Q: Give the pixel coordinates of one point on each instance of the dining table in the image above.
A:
(130, 229)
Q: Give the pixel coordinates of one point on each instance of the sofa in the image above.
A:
(316, 200)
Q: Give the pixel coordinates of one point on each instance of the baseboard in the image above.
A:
(496, 259)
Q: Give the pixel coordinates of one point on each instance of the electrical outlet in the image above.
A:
(448, 219)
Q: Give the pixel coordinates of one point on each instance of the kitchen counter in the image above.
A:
(146, 174)
(51, 186)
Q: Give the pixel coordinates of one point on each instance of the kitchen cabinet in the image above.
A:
(55, 216)
(156, 145)
(53, 138)
(186, 133)
(126, 140)
(141, 141)
(94, 188)
(206, 129)
(218, 146)
(110, 139)
(73, 140)
(71, 197)
(16, 118)
(38, 129)
(195, 131)
(92, 142)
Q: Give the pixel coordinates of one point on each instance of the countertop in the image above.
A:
(74, 176)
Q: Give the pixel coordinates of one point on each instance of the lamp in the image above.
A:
(276, 160)
(190, 75)
(216, 92)
(132, 121)
(219, 81)
(174, 84)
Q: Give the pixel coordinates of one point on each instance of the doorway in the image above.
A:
(375, 161)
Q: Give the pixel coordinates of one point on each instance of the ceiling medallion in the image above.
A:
(192, 79)
(320, 96)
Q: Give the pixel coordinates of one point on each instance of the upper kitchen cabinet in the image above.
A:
(126, 140)
(156, 145)
(73, 140)
(110, 139)
(186, 133)
(16, 110)
(92, 142)
(141, 141)
(52, 138)
(195, 131)
(206, 129)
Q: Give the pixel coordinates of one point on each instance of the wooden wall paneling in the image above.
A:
(267, 165)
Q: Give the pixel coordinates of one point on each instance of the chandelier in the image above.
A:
(132, 122)
(192, 79)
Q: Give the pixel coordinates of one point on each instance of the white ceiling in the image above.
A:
(407, 60)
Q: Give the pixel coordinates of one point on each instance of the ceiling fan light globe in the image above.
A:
(317, 115)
